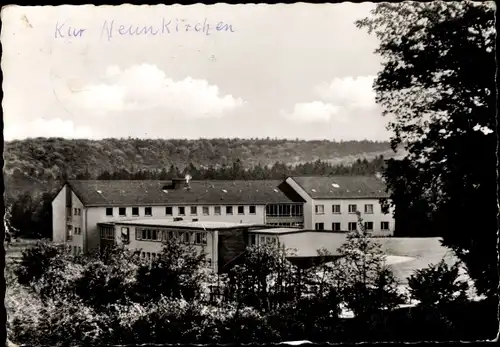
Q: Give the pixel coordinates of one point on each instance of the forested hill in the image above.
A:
(46, 158)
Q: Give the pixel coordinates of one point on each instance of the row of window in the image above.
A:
(181, 210)
(76, 212)
(69, 232)
(286, 224)
(273, 210)
(263, 240)
(148, 234)
(154, 256)
(352, 226)
(353, 208)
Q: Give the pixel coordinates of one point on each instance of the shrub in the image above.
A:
(177, 273)
(438, 285)
(36, 260)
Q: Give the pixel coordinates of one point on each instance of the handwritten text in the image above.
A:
(63, 30)
(164, 26)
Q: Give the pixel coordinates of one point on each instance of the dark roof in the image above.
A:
(150, 192)
(342, 187)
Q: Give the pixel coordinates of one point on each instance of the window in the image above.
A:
(352, 226)
(384, 225)
(148, 255)
(135, 211)
(217, 210)
(122, 211)
(369, 226)
(369, 208)
(194, 210)
(125, 235)
(168, 211)
(148, 234)
(336, 226)
(168, 235)
(182, 211)
(108, 233)
(353, 209)
(109, 211)
(251, 209)
(206, 211)
(185, 237)
(229, 209)
(78, 231)
(148, 211)
(320, 226)
(201, 238)
(241, 209)
(253, 239)
(320, 209)
(336, 209)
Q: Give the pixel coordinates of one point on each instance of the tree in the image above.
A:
(176, 273)
(367, 284)
(438, 285)
(438, 86)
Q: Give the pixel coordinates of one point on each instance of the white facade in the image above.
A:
(321, 214)
(152, 247)
(87, 218)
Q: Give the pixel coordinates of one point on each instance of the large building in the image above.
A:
(84, 211)
(332, 203)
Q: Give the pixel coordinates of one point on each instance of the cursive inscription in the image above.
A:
(110, 29)
(63, 31)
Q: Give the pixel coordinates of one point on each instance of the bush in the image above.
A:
(36, 260)
(176, 273)
(438, 285)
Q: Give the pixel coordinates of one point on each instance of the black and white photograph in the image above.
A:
(250, 173)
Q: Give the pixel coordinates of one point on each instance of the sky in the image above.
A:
(287, 71)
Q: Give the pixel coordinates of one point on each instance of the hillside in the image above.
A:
(46, 158)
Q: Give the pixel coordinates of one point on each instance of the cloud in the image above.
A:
(145, 87)
(349, 92)
(339, 101)
(40, 127)
(310, 112)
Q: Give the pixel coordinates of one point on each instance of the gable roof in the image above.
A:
(342, 187)
(150, 192)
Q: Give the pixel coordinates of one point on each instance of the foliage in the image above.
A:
(49, 159)
(264, 280)
(438, 285)
(107, 277)
(438, 86)
(366, 283)
(178, 272)
(36, 260)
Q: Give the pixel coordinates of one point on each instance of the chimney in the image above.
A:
(177, 183)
